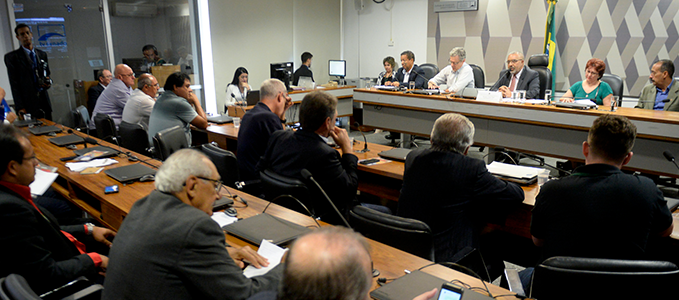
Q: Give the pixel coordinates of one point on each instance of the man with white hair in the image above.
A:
(445, 188)
(168, 247)
(457, 76)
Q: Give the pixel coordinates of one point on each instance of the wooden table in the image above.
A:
(539, 129)
(344, 96)
(87, 192)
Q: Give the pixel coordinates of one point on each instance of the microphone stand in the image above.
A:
(307, 175)
(365, 141)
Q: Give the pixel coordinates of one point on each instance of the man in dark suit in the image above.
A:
(450, 191)
(517, 77)
(168, 247)
(289, 152)
(409, 72)
(303, 70)
(33, 243)
(104, 77)
(28, 73)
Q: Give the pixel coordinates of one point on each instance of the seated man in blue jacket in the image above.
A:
(409, 72)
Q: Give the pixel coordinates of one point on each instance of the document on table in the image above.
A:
(513, 171)
(222, 219)
(43, 180)
(269, 251)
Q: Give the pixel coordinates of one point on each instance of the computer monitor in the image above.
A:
(282, 72)
(136, 65)
(337, 68)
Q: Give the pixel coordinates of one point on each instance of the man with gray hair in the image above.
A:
(138, 109)
(518, 77)
(259, 123)
(445, 188)
(168, 247)
(104, 77)
(457, 76)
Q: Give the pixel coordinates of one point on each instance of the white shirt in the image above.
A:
(517, 75)
(455, 81)
(234, 90)
(406, 75)
(138, 109)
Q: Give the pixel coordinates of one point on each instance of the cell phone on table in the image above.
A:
(450, 291)
(111, 189)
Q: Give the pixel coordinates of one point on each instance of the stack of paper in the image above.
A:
(512, 171)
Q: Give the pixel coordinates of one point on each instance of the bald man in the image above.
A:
(138, 108)
(113, 99)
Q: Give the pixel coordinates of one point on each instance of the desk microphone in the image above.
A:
(418, 74)
(307, 176)
(365, 148)
(239, 105)
(669, 156)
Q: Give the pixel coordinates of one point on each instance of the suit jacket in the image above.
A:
(420, 81)
(453, 194)
(21, 79)
(92, 96)
(167, 249)
(289, 152)
(302, 71)
(529, 81)
(34, 247)
(647, 98)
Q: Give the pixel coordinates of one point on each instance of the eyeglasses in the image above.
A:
(218, 183)
(131, 75)
(454, 63)
(513, 61)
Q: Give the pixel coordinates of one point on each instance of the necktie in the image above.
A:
(513, 85)
(35, 62)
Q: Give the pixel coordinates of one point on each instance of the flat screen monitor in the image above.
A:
(135, 64)
(337, 68)
(283, 72)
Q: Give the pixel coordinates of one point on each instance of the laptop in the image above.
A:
(41, 130)
(266, 227)
(220, 119)
(24, 123)
(576, 105)
(252, 98)
(129, 173)
(66, 140)
(386, 88)
(108, 152)
(397, 154)
(469, 92)
(411, 285)
(426, 92)
(672, 203)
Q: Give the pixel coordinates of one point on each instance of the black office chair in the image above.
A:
(409, 235)
(81, 118)
(225, 161)
(169, 141)
(479, 76)
(599, 278)
(616, 83)
(106, 128)
(430, 70)
(134, 137)
(15, 287)
(275, 185)
(539, 63)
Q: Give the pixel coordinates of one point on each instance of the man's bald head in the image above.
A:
(329, 263)
(124, 73)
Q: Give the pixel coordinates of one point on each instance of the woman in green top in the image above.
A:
(592, 87)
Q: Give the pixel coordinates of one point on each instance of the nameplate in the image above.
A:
(489, 96)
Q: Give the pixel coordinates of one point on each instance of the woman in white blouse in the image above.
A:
(237, 90)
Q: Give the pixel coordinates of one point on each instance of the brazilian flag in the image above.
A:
(550, 40)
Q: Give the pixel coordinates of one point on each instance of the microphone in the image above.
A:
(670, 157)
(238, 105)
(418, 74)
(307, 176)
(365, 148)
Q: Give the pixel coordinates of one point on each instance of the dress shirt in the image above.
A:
(660, 96)
(112, 101)
(233, 89)
(516, 77)
(138, 108)
(455, 81)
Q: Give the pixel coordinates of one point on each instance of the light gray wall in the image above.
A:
(6, 36)
(255, 33)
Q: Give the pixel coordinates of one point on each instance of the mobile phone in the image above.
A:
(450, 291)
(111, 189)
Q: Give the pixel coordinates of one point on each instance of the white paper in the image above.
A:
(222, 219)
(536, 101)
(585, 101)
(509, 170)
(79, 166)
(269, 251)
(43, 180)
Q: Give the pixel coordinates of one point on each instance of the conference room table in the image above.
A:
(538, 129)
(344, 96)
(87, 192)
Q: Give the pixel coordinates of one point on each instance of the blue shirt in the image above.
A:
(660, 96)
(6, 110)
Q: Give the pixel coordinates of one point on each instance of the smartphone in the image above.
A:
(450, 291)
(111, 189)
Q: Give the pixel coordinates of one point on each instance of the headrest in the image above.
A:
(538, 60)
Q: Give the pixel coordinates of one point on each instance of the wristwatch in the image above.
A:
(90, 228)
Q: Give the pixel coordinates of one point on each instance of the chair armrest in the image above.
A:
(514, 281)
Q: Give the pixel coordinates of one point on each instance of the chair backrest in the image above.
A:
(15, 287)
(409, 235)
(616, 83)
(225, 161)
(81, 118)
(598, 278)
(168, 141)
(430, 70)
(106, 128)
(134, 137)
(539, 63)
(274, 185)
(479, 76)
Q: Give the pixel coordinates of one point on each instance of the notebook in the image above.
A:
(266, 227)
(220, 119)
(576, 105)
(40, 130)
(108, 152)
(66, 140)
(522, 175)
(397, 154)
(252, 98)
(672, 203)
(409, 286)
(24, 123)
(129, 173)
(427, 92)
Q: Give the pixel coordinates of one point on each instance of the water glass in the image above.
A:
(548, 95)
(543, 176)
(236, 122)
(614, 103)
(411, 85)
